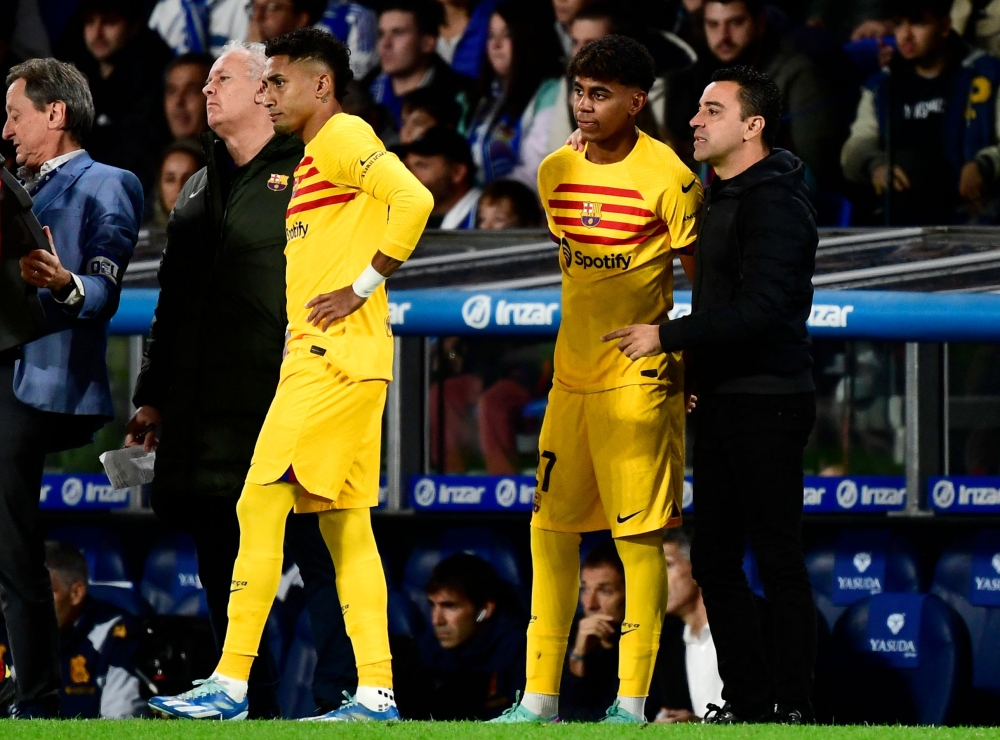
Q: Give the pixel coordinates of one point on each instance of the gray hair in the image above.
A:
(254, 53)
(49, 80)
(680, 537)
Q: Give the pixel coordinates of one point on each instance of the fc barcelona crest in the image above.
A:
(591, 214)
(278, 182)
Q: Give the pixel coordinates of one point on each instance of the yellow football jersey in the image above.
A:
(350, 198)
(617, 226)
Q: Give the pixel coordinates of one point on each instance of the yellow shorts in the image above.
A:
(611, 459)
(327, 429)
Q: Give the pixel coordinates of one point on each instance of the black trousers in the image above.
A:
(216, 533)
(748, 487)
(26, 436)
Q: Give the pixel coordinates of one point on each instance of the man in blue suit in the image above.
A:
(54, 392)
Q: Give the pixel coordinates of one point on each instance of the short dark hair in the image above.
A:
(754, 7)
(429, 14)
(615, 59)
(522, 199)
(187, 146)
(67, 562)
(604, 555)
(759, 96)
(316, 44)
(443, 107)
(918, 10)
(130, 10)
(199, 58)
(468, 575)
(49, 80)
(314, 8)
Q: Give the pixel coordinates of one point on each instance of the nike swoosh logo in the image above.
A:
(195, 193)
(367, 158)
(688, 188)
(622, 520)
(234, 590)
(625, 632)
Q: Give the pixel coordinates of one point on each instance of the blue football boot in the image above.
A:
(351, 710)
(207, 700)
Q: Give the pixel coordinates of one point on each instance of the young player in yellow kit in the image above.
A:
(611, 449)
(355, 215)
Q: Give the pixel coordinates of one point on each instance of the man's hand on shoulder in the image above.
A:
(639, 340)
(330, 307)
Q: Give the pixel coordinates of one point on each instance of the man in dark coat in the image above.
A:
(747, 333)
(212, 361)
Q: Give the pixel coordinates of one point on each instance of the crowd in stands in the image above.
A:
(870, 87)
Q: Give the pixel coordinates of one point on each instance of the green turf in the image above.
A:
(188, 730)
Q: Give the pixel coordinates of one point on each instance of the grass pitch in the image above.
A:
(279, 730)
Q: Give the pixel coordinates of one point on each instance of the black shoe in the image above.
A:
(785, 715)
(725, 715)
(7, 687)
(40, 709)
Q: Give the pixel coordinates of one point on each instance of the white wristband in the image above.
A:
(368, 282)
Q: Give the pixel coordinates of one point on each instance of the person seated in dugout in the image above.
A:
(98, 644)
(472, 658)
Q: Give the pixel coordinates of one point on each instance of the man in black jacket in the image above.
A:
(212, 361)
(752, 297)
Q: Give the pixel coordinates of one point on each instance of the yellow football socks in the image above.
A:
(646, 579)
(262, 511)
(555, 590)
(362, 590)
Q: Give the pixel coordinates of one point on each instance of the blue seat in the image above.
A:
(170, 580)
(858, 564)
(967, 577)
(491, 546)
(109, 581)
(899, 659)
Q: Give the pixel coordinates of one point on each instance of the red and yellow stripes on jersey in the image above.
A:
(609, 216)
(310, 190)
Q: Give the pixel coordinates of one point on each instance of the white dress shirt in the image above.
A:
(702, 665)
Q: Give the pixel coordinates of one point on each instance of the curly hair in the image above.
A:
(313, 43)
(615, 59)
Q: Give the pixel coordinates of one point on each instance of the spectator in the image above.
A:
(441, 161)
(181, 159)
(407, 39)
(590, 678)
(272, 18)
(183, 100)
(978, 22)
(698, 676)
(124, 62)
(738, 32)
(852, 19)
(941, 106)
(462, 36)
(196, 25)
(508, 131)
(508, 204)
(687, 23)
(473, 657)
(98, 644)
(457, 406)
(565, 11)
(423, 109)
(357, 26)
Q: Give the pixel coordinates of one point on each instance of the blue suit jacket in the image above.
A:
(93, 212)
